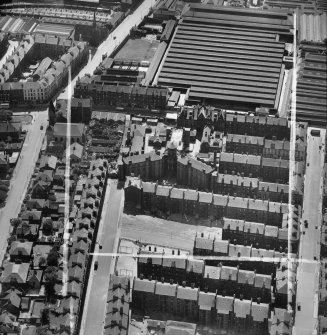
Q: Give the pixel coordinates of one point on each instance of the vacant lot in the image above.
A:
(138, 50)
(166, 233)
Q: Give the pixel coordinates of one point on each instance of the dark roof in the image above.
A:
(229, 55)
(311, 96)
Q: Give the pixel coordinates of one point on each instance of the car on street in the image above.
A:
(96, 265)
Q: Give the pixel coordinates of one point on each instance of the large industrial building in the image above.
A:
(228, 57)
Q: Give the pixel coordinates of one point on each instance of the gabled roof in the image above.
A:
(11, 297)
(205, 197)
(187, 293)
(237, 250)
(228, 273)
(242, 308)
(177, 193)
(33, 214)
(246, 277)
(166, 289)
(163, 191)
(259, 312)
(212, 272)
(144, 285)
(233, 224)
(76, 149)
(207, 300)
(149, 187)
(17, 272)
(221, 246)
(191, 195)
(224, 305)
(204, 243)
(262, 281)
(195, 265)
(48, 161)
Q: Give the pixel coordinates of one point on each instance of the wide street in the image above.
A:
(22, 175)
(309, 254)
(114, 40)
(96, 296)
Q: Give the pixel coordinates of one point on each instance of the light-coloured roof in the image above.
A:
(262, 281)
(166, 289)
(204, 243)
(144, 285)
(187, 293)
(195, 265)
(242, 308)
(60, 129)
(246, 277)
(221, 246)
(212, 272)
(149, 187)
(228, 273)
(237, 250)
(207, 300)
(224, 305)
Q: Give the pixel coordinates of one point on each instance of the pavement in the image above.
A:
(113, 41)
(309, 253)
(21, 176)
(98, 284)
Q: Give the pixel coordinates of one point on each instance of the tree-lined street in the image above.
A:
(22, 175)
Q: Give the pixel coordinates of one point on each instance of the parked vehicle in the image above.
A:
(96, 264)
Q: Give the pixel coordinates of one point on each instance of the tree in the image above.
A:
(50, 277)
(15, 222)
(53, 257)
(48, 226)
(42, 261)
(4, 188)
(3, 196)
(45, 319)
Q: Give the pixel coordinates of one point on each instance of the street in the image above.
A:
(113, 40)
(22, 174)
(96, 296)
(309, 254)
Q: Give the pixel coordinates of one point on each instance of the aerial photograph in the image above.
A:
(163, 167)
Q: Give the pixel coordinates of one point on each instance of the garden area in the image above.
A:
(105, 137)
